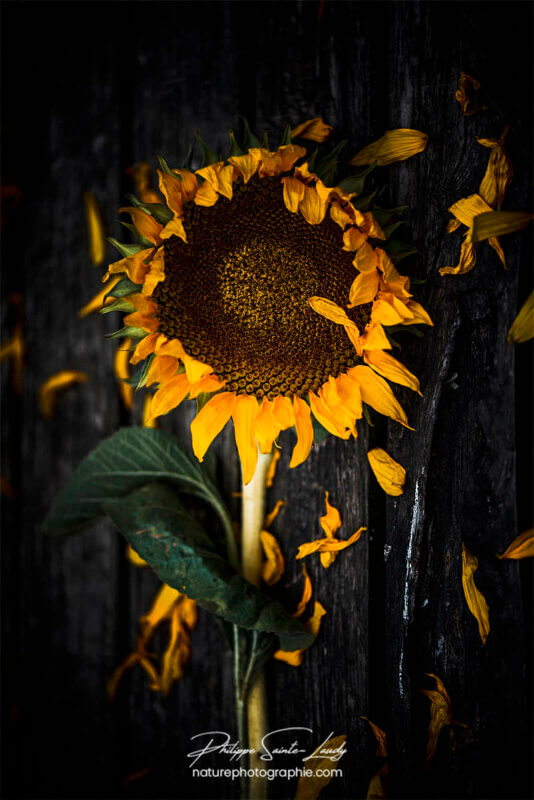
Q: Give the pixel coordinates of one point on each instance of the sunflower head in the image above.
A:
(263, 290)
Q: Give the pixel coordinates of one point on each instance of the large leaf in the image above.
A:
(125, 461)
(157, 526)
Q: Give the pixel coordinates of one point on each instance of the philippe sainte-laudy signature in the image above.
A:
(281, 742)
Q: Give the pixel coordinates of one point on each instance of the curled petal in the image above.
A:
(468, 259)
(521, 547)
(333, 312)
(331, 522)
(475, 599)
(147, 226)
(145, 348)
(55, 384)
(316, 130)
(274, 565)
(395, 145)
(467, 208)
(377, 393)
(306, 593)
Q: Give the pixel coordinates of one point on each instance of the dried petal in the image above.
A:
(521, 547)
(95, 229)
(55, 384)
(274, 565)
(316, 130)
(389, 473)
(463, 94)
(475, 599)
(380, 736)
(522, 328)
(395, 145)
(309, 788)
(440, 713)
(498, 223)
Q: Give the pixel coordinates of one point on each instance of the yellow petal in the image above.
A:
(244, 415)
(246, 164)
(475, 599)
(468, 259)
(281, 160)
(134, 266)
(160, 609)
(171, 187)
(145, 348)
(206, 195)
(283, 412)
(189, 183)
(206, 385)
(271, 472)
(343, 406)
(333, 312)
(147, 421)
(498, 223)
(292, 657)
(169, 395)
(274, 565)
(95, 228)
(98, 301)
(374, 337)
(147, 226)
(156, 271)
(453, 225)
(498, 174)
(377, 394)
(175, 227)
(306, 593)
(177, 652)
(121, 368)
(364, 289)
(304, 428)
(309, 788)
(293, 193)
(220, 177)
(419, 315)
(494, 242)
(366, 259)
(130, 661)
(380, 736)
(327, 417)
(353, 238)
(134, 557)
(467, 208)
(465, 82)
(210, 421)
(313, 625)
(331, 522)
(313, 206)
(440, 713)
(55, 384)
(395, 145)
(266, 427)
(389, 474)
(316, 130)
(371, 227)
(162, 369)
(328, 545)
(521, 547)
(391, 369)
(272, 515)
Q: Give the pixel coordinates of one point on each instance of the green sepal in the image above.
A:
(389, 229)
(119, 305)
(413, 329)
(383, 215)
(250, 139)
(398, 250)
(142, 374)
(235, 150)
(188, 160)
(139, 236)
(202, 399)
(128, 330)
(327, 167)
(367, 415)
(126, 249)
(286, 136)
(319, 433)
(208, 156)
(311, 160)
(159, 211)
(363, 202)
(165, 167)
(183, 555)
(124, 288)
(356, 183)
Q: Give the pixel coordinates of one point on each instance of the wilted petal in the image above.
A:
(274, 565)
(498, 223)
(316, 130)
(309, 788)
(475, 599)
(121, 368)
(463, 94)
(395, 145)
(521, 547)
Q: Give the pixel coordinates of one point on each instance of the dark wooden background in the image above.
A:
(90, 88)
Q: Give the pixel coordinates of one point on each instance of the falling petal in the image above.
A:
(271, 472)
(521, 547)
(475, 599)
(522, 328)
(313, 625)
(306, 593)
(309, 788)
(440, 713)
(98, 302)
(466, 83)
(395, 145)
(380, 736)
(274, 565)
(499, 223)
(95, 228)
(55, 384)
(121, 368)
(331, 522)
(390, 475)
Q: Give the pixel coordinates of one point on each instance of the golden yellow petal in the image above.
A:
(220, 177)
(522, 328)
(390, 368)
(343, 216)
(313, 206)
(134, 557)
(162, 369)
(121, 368)
(453, 225)
(306, 593)
(376, 393)
(316, 130)
(304, 428)
(210, 421)
(366, 259)
(271, 472)
(147, 421)
(246, 164)
(169, 396)
(395, 145)
(310, 787)
(328, 545)
(283, 412)
(419, 315)
(175, 227)
(274, 565)
(465, 82)
(244, 416)
(160, 610)
(147, 226)
(342, 398)
(266, 428)
(206, 385)
(293, 193)
(96, 230)
(364, 289)
(333, 312)
(440, 713)
(55, 384)
(371, 227)
(206, 195)
(353, 238)
(498, 223)
(467, 208)
(292, 657)
(381, 738)
(281, 160)
(327, 417)
(113, 684)
(272, 515)
(177, 652)
(189, 183)
(468, 259)
(331, 522)
(521, 547)
(171, 187)
(494, 242)
(374, 337)
(145, 348)
(155, 273)
(134, 266)
(498, 174)
(389, 473)
(475, 599)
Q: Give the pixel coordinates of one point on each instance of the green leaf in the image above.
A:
(265, 141)
(139, 236)
(159, 211)
(250, 139)
(128, 330)
(327, 167)
(311, 160)
(189, 158)
(319, 433)
(165, 167)
(398, 250)
(286, 136)
(208, 156)
(118, 305)
(128, 459)
(383, 215)
(363, 202)
(413, 329)
(235, 150)
(124, 288)
(367, 415)
(389, 229)
(126, 249)
(179, 550)
(356, 183)
(139, 375)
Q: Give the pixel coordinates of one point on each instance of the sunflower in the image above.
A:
(263, 293)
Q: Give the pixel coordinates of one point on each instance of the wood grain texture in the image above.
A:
(136, 81)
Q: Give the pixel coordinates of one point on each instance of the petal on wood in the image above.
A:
(466, 85)
(380, 736)
(440, 713)
(474, 598)
(331, 521)
(316, 130)
(521, 547)
(467, 208)
(389, 473)
(309, 788)
(49, 390)
(468, 259)
(498, 174)
(271, 472)
(306, 593)
(395, 145)
(95, 229)
(274, 565)
(121, 368)
(522, 328)
(498, 223)
(99, 301)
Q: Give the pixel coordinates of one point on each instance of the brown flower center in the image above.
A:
(236, 295)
